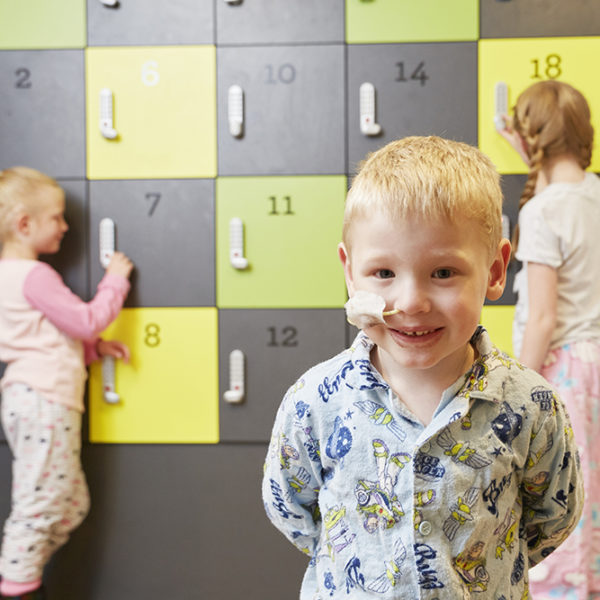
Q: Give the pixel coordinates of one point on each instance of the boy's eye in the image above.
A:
(385, 274)
(442, 273)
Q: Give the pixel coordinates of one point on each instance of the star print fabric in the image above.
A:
(50, 494)
(573, 571)
(385, 507)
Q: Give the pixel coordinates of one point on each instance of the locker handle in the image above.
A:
(500, 104)
(106, 114)
(368, 125)
(110, 3)
(236, 244)
(108, 380)
(235, 393)
(505, 226)
(235, 110)
(107, 240)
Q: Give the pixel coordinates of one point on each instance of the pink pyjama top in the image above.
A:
(47, 333)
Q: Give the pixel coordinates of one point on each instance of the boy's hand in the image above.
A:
(120, 265)
(513, 138)
(113, 348)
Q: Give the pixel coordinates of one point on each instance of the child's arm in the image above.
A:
(292, 480)
(552, 484)
(514, 139)
(542, 283)
(45, 290)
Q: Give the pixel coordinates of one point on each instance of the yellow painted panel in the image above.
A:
(39, 24)
(498, 320)
(292, 226)
(520, 63)
(164, 112)
(381, 21)
(169, 391)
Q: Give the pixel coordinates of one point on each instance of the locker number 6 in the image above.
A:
(150, 75)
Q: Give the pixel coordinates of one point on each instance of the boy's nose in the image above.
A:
(410, 298)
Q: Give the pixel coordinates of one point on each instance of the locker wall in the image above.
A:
(174, 469)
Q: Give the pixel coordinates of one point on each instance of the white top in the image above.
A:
(560, 227)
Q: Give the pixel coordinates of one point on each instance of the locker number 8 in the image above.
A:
(152, 338)
(150, 75)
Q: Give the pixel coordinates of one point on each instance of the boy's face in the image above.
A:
(47, 224)
(436, 273)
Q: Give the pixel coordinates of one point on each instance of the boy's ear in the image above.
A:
(497, 275)
(345, 258)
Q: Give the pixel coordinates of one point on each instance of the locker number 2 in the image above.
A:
(23, 78)
(150, 74)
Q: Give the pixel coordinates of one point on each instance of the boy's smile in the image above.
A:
(437, 274)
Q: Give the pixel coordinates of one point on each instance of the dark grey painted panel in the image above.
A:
(2, 436)
(42, 111)
(292, 21)
(278, 345)
(167, 228)
(294, 110)
(512, 186)
(71, 261)
(183, 522)
(150, 22)
(420, 89)
(538, 18)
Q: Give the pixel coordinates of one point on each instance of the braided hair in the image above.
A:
(553, 118)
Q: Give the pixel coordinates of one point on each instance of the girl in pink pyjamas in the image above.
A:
(47, 336)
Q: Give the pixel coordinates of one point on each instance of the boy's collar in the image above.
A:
(475, 384)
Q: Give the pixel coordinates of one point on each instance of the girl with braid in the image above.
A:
(557, 318)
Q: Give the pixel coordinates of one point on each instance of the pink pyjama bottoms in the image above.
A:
(49, 492)
(572, 571)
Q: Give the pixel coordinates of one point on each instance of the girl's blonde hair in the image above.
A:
(553, 118)
(19, 187)
(430, 177)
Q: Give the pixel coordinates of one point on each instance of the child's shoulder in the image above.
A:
(15, 267)
(349, 369)
(503, 379)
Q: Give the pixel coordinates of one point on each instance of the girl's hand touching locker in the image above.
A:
(120, 265)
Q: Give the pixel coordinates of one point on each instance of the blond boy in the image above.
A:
(414, 458)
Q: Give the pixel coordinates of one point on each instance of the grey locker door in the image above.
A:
(420, 89)
(42, 111)
(167, 228)
(183, 522)
(512, 186)
(2, 436)
(539, 18)
(293, 110)
(292, 21)
(150, 23)
(70, 261)
(278, 345)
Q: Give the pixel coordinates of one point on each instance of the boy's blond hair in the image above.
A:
(19, 187)
(430, 177)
